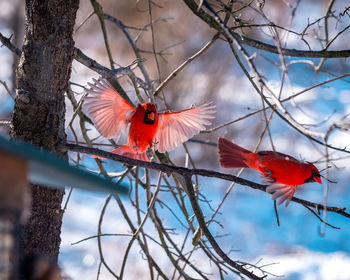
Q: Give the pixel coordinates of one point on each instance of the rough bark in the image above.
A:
(41, 78)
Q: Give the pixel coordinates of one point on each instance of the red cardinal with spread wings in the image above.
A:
(111, 115)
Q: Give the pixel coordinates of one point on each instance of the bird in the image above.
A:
(282, 172)
(111, 114)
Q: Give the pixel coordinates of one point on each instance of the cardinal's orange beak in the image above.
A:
(317, 179)
(151, 116)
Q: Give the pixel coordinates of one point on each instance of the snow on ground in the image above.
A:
(308, 265)
(307, 256)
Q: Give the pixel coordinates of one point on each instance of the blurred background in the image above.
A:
(301, 247)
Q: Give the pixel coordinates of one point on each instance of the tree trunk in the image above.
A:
(42, 75)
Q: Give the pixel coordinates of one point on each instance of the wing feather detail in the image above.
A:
(282, 193)
(109, 111)
(177, 127)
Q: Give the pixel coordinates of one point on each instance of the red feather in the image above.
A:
(282, 171)
(148, 128)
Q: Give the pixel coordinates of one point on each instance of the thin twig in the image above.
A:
(185, 63)
(7, 89)
(151, 204)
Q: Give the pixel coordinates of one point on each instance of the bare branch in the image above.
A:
(263, 46)
(189, 172)
(200, 218)
(7, 42)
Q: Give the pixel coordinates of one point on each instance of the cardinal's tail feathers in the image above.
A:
(126, 151)
(232, 155)
(283, 193)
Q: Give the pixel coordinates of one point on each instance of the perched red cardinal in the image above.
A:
(283, 172)
(163, 131)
